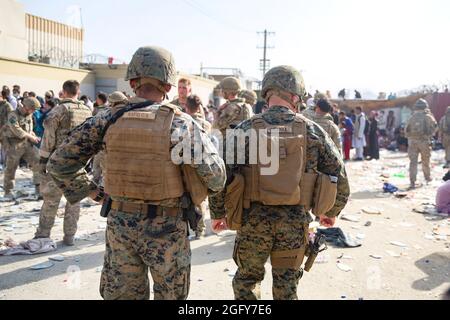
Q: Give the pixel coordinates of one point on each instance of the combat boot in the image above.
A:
(68, 241)
(37, 194)
(8, 196)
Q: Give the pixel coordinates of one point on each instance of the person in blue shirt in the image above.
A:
(39, 117)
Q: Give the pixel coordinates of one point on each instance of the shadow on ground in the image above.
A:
(437, 268)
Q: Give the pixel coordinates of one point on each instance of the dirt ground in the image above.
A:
(404, 254)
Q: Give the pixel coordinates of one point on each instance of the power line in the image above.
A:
(196, 6)
(264, 62)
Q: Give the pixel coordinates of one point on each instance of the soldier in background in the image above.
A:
(65, 117)
(184, 91)
(21, 142)
(5, 109)
(249, 97)
(419, 130)
(275, 220)
(98, 164)
(444, 132)
(101, 103)
(145, 228)
(235, 110)
(193, 107)
(323, 118)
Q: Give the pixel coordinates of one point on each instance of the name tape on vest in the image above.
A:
(140, 115)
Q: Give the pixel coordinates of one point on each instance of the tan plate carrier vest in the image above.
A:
(138, 159)
(77, 113)
(283, 188)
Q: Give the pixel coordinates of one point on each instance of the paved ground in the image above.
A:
(419, 270)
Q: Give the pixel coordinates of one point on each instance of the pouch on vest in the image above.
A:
(324, 194)
(288, 259)
(234, 202)
(418, 126)
(194, 185)
(307, 186)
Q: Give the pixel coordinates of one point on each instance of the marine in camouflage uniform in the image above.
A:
(419, 130)
(135, 240)
(57, 126)
(98, 164)
(21, 141)
(326, 122)
(235, 110)
(5, 108)
(444, 128)
(250, 97)
(282, 228)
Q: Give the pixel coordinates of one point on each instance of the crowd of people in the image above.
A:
(73, 132)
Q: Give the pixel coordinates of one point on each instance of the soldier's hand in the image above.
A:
(34, 139)
(97, 196)
(327, 222)
(219, 225)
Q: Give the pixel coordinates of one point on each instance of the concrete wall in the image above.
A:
(13, 41)
(39, 77)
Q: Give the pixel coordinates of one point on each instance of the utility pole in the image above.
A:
(265, 63)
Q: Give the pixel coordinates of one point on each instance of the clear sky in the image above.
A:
(383, 45)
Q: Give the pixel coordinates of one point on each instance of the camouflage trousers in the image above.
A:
(16, 152)
(414, 149)
(446, 144)
(135, 244)
(203, 210)
(3, 150)
(98, 167)
(52, 197)
(266, 229)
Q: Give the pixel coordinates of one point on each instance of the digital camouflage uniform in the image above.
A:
(266, 229)
(134, 242)
(57, 126)
(203, 209)
(5, 108)
(326, 123)
(420, 143)
(249, 96)
(444, 127)
(98, 167)
(228, 115)
(19, 146)
(178, 104)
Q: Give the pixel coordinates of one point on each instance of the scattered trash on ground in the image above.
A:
(371, 210)
(57, 258)
(338, 238)
(41, 266)
(343, 267)
(350, 217)
(398, 244)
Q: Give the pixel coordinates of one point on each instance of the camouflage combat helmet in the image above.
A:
(31, 103)
(152, 62)
(230, 84)
(117, 97)
(284, 78)
(319, 96)
(249, 96)
(421, 104)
